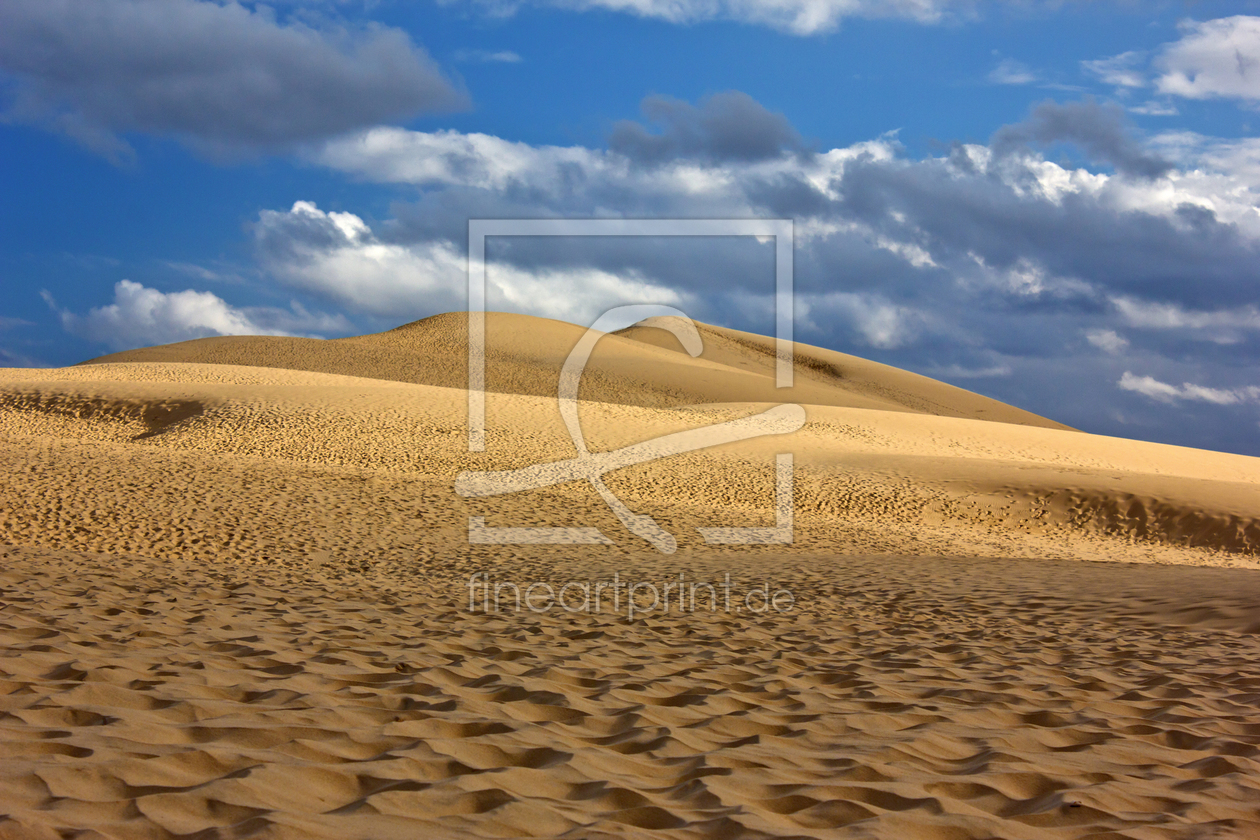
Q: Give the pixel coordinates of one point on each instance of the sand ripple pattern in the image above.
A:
(905, 699)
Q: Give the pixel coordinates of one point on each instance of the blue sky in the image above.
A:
(1054, 204)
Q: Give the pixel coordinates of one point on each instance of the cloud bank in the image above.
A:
(222, 76)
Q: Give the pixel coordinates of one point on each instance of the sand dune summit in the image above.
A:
(237, 603)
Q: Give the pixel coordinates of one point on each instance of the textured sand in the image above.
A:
(234, 604)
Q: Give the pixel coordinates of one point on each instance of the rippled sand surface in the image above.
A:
(906, 698)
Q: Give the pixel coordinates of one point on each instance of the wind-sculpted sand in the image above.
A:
(235, 602)
(905, 698)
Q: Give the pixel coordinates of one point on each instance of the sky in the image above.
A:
(1056, 204)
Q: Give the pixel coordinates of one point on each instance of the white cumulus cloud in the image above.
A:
(1215, 58)
(141, 317)
(395, 155)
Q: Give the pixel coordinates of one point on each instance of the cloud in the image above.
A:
(1154, 108)
(140, 316)
(1212, 59)
(338, 257)
(1215, 58)
(1012, 72)
(1051, 235)
(1188, 391)
(799, 17)
(193, 270)
(1100, 130)
(983, 217)
(726, 126)
(1123, 70)
(1109, 341)
(395, 155)
(218, 75)
(488, 56)
(1222, 325)
(1211, 157)
(873, 320)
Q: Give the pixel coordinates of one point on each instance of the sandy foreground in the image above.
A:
(235, 602)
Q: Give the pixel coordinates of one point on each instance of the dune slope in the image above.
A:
(887, 461)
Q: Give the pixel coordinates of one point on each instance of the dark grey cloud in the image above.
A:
(220, 75)
(1193, 259)
(788, 196)
(729, 126)
(1102, 131)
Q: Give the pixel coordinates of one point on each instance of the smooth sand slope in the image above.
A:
(235, 604)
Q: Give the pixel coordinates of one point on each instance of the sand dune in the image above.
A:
(236, 604)
(641, 365)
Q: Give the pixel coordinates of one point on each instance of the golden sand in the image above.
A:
(235, 604)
